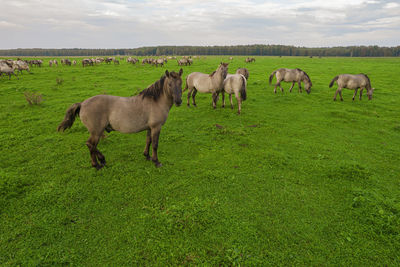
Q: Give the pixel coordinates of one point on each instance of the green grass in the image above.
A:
(296, 179)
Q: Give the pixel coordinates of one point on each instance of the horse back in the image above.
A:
(351, 81)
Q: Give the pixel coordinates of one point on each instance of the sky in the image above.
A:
(137, 23)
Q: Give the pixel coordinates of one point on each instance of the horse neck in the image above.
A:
(217, 78)
(166, 99)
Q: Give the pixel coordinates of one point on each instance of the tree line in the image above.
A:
(244, 50)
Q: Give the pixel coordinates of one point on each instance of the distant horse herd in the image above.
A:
(149, 110)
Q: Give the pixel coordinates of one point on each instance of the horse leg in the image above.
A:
(92, 145)
(300, 91)
(361, 91)
(340, 93)
(279, 84)
(223, 99)
(155, 133)
(291, 87)
(147, 147)
(355, 93)
(230, 99)
(194, 97)
(188, 96)
(275, 87)
(214, 100)
(337, 91)
(239, 100)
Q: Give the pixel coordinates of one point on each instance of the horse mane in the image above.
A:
(155, 90)
(369, 81)
(366, 76)
(305, 74)
(212, 74)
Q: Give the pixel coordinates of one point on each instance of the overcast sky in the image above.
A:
(135, 23)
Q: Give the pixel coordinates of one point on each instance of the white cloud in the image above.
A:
(125, 23)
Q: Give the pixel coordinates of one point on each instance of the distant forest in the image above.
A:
(244, 50)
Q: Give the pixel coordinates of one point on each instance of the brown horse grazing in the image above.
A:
(206, 83)
(291, 75)
(146, 111)
(352, 82)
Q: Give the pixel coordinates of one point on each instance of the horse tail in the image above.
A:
(186, 86)
(333, 81)
(271, 76)
(242, 91)
(69, 118)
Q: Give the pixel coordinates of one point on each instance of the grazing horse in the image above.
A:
(206, 83)
(291, 75)
(354, 82)
(6, 69)
(146, 111)
(235, 84)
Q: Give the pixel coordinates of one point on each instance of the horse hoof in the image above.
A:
(158, 164)
(98, 167)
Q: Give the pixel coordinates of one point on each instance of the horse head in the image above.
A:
(174, 86)
(223, 67)
(369, 93)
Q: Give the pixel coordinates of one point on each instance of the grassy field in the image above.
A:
(296, 179)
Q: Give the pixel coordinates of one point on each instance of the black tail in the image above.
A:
(243, 94)
(333, 81)
(186, 86)
(69, 118)
(271, 77)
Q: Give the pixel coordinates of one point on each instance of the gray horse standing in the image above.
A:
(352, 82)
(293, 76)
(146, 111)
(235, 84)
(206, 83)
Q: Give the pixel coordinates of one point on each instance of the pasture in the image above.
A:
(296, 179)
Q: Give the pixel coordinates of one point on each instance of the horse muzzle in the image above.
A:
(178, 103)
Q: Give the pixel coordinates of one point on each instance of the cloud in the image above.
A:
(127, 23)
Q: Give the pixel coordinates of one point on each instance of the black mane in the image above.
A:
(369, 82)
(155, 90)
(304, 74)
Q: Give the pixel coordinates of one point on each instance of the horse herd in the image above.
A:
(149, 110)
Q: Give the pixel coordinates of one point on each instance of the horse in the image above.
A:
(235, 84)
(6, 69)
(244, 72)
(291, 75)
(249, 60)
(159, 61)
(354, 82)
(146, 111)
(206, 83)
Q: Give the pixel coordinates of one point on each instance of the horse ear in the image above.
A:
(167, 73)
(180, 72)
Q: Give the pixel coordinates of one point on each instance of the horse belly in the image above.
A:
(203, 86)
(132, 122)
